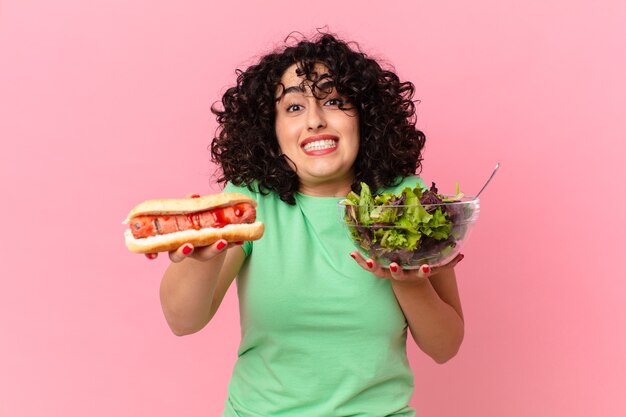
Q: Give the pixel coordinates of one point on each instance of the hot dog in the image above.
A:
(164, 225)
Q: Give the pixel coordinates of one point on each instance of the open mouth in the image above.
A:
(320, 145)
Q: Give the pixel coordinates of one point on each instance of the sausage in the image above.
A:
(153, 225)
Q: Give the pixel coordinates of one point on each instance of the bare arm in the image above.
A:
(433, 311)
(194, 284)
(431, 304)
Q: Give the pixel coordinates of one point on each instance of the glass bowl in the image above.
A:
(411, 236)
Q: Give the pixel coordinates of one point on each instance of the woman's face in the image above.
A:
(320, 138)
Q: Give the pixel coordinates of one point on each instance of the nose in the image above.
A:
(315, 118)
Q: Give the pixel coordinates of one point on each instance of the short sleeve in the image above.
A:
(242, 189)
(410, 181)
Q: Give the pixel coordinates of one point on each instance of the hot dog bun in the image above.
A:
(201, 237)
(188, 205)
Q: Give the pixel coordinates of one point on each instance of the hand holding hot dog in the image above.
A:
(202, 254)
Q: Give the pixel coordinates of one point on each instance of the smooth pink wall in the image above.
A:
(106, 103)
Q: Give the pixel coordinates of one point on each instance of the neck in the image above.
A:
(326, 190)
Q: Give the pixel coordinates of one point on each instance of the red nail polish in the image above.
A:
(195, 196)
(239, 243)
(187, 250)
(353, 255)
(151, 255)
(425, 269)
(370, 263)
(394, 268)
(221, 245)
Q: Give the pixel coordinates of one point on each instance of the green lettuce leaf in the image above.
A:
(410, 220)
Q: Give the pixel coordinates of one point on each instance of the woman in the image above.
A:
(322, 334)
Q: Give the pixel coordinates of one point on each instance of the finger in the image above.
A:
(456, 260)
(450, 264)
(208, 252)
(396, 272)
(370, 265)
(151, 255)
(408, 275)
(424, 271)
(356, 255)
(181, 253)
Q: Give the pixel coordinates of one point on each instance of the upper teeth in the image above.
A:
(319, 144)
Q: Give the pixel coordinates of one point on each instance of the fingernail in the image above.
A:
(370, 263)
(195, 196)
(221, 245)
(425, 269)
(239, 243)
(151, 255)
(352, 255)
(393, 267)
(187, 250)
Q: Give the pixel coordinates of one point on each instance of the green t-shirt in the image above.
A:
(320, 336)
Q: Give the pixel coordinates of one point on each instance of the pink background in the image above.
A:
(106, 103)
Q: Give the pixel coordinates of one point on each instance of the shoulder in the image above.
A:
(252, 191)
(410, 181)
(266, 198)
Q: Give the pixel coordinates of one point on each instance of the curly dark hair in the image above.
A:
(245, 145)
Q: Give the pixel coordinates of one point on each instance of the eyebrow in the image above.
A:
(293, 89)
(300, 88)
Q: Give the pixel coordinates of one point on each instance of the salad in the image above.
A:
(418, 225)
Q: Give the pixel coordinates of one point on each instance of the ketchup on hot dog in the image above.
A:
(153, 225)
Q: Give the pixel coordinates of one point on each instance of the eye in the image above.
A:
(293, 108)
(334, 102)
